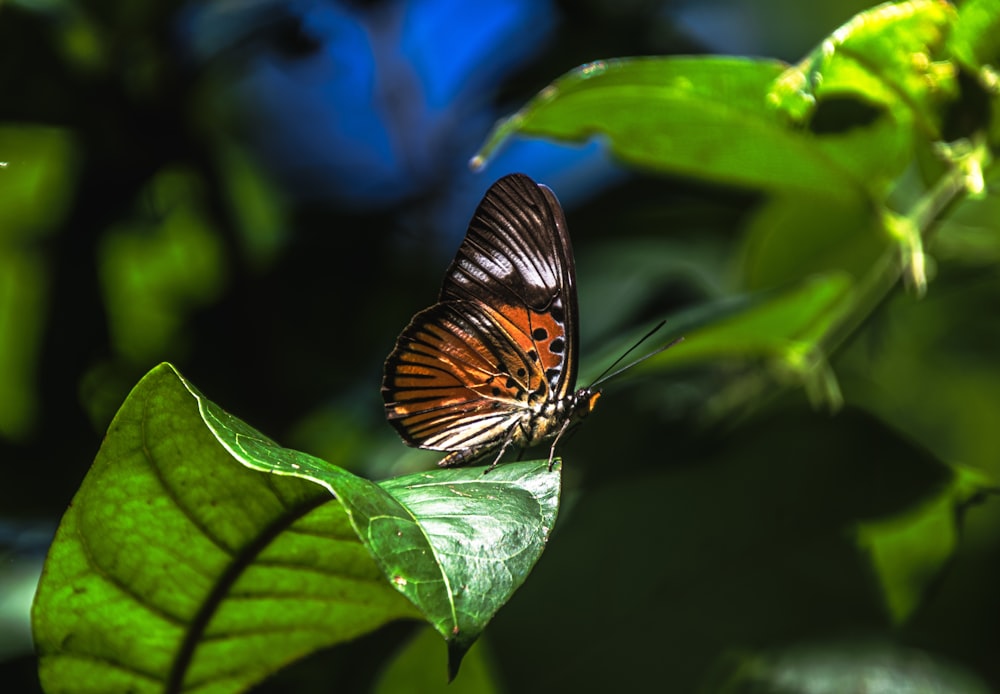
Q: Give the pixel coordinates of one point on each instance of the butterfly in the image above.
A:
(492, 365)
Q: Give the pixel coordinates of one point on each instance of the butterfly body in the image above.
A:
(492, 365)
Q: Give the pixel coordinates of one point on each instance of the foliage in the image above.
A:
(717, 529)
(227, 574)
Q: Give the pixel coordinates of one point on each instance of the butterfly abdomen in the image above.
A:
(549, 421)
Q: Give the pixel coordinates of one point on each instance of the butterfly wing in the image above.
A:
(517, 257)
(502, 338)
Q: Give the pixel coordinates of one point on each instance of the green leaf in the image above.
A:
(167, 518)
(793, 237)
(486, 533)
(887, 56)
(786, 325)
(456, 542)
(176, 568)
(783, 330)
(975, 37)
(871, 86)
(702, 117)
(968, 233)
(37, 170)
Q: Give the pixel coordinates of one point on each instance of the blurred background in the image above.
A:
(263, 193)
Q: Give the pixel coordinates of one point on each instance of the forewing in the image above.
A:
(517, 258)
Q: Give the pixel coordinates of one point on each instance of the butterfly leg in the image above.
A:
(555, 440)
(503, 449)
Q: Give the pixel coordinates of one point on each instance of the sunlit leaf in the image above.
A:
(701, 117)
(456, 542)
(885, 56)
(868, 88)
(176, 567)
(975, 36)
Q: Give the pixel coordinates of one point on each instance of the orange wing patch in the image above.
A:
(541, 344)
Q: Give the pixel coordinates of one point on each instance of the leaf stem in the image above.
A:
(913, 231)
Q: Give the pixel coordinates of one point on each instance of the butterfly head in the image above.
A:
(586, 400)
(579, 405)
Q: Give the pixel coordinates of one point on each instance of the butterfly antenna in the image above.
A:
(605, 376)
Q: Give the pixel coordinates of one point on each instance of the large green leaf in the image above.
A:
(787, 324)
(209, 575)
(456, 542)
(703, 117)
(175, 568)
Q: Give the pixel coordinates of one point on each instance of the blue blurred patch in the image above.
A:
(371, 106)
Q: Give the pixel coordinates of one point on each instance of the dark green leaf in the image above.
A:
(908, 550)
(747, 538)
(408, 672)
